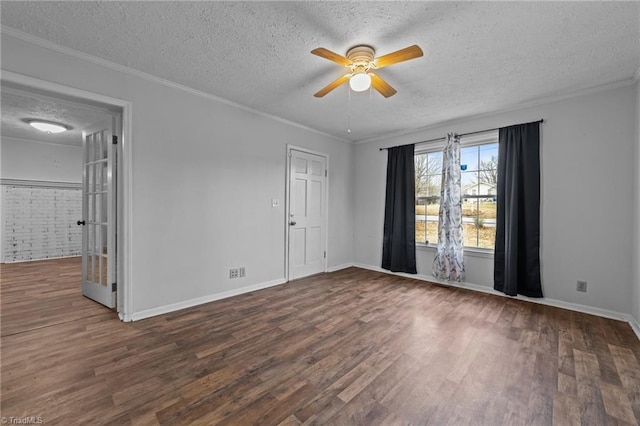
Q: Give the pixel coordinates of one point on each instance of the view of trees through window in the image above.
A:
(479, 168)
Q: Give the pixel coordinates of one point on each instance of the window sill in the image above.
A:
(468, 251)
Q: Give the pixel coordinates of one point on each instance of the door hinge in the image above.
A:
(114, 286)
(325, 254)
(325, 172)
(114, 140)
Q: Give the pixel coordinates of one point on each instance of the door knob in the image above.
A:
(293, 222)
(80, 222)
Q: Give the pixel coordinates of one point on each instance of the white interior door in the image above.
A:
(307, 213)
(99, 213)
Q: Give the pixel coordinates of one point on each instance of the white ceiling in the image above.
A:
(479, 56)
(19, 105)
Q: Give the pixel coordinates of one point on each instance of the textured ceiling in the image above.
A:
(479, 56)
(18, 105)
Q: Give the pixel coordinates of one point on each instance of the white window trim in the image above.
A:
(483, 138)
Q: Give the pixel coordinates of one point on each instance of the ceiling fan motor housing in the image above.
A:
(362, 57)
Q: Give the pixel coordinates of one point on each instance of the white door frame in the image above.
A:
(288, 206)
(125, 174)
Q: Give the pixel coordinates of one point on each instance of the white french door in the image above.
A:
(99, 213)
(307, 213)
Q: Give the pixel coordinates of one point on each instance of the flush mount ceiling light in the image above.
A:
(48, 126)
(360, 61)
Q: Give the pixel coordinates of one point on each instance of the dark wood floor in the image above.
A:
(350, 347)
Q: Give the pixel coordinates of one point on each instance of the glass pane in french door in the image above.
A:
(96, 227)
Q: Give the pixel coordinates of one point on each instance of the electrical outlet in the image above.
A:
(233, 273)
(242, 272)
(582, 286)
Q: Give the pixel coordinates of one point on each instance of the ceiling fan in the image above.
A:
(361, 61)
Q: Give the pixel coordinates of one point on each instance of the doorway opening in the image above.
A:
(88, 168)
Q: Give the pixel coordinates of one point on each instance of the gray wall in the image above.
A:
(587, 156)
(31, 160)
(204, 174)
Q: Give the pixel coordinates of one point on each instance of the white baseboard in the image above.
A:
(339, 267)
(634, 325)
(147, 313)
(543, 301)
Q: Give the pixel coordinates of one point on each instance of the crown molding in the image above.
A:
(511, 108)
(29, 38)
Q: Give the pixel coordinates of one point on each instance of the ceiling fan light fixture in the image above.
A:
(360, 82)
(47, 126)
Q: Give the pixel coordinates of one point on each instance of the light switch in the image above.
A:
(275, 202)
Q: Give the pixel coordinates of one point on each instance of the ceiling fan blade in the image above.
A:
(329, 87)
(332, 56)
(382, 86)
(401, 55)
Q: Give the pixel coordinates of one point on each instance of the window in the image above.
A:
(428, 177)
(479, 167)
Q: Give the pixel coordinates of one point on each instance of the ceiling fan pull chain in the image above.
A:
(349, 110)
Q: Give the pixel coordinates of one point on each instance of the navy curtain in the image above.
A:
(399, 241)
(517, 252)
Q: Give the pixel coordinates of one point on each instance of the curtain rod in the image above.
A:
(462, 134)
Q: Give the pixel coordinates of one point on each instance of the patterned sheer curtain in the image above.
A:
(449, 262)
